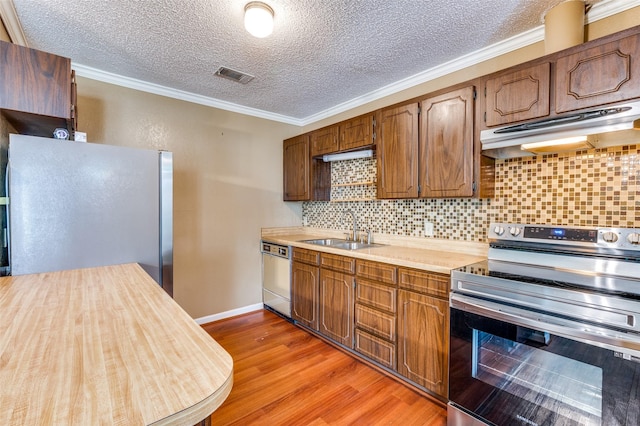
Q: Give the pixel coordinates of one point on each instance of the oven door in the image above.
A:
(508, 370)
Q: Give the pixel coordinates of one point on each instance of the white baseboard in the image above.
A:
(229, 314)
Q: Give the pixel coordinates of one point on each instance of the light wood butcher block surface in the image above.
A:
(428, 254)
(104, 346)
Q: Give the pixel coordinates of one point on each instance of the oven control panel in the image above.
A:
(619, 238)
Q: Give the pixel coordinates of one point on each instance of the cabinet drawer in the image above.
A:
(377, 271)
(376, 322)
(376, 349)
(338, 263)
(306, 256)
(376, 295)
(424, 282)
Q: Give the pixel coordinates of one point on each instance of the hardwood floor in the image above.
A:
(286, 376)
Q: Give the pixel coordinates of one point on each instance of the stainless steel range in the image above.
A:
(547, 330)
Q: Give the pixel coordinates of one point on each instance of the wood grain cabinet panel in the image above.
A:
(337, 306)
(304, 178)
(306, 256)
(381, 272)
(34, 81)
(518, 95)
(424, 282)
(599, 75)
(376, 349)
(357, 132)
(397, 151)
(446, 144)
(423, 340)
(297, 169)
(305, 284)
(376, 322)
(325, 141)
(37, 90)
(338, 263)
(379, 296)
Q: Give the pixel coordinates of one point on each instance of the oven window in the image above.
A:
(557, 383)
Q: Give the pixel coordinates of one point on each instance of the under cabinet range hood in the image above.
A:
(597, 128)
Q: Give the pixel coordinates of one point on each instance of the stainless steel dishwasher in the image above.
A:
(276, 277)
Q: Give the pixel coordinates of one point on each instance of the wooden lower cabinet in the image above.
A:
(394, 316)
(336, 306)
(305, 282)
(423, 340)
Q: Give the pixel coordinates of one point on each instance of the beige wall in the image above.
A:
(4, 36)
(227, 185)
(612, 24)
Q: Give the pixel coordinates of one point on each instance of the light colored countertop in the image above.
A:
(428, 254)
(104, 346)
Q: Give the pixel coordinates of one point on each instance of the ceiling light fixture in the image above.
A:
(258, 19)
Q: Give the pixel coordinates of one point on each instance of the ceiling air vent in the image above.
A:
(234, 75)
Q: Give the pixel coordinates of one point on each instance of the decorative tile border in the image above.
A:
(597, 187)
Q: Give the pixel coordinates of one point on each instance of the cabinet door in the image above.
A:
(599, 75)
(34, 82)
(297, 169)
(446, 144)
(357, 132)
(423, 340)
(397, 150)
(324, 141)
(305, 280)
(518, 95)
(336, 306)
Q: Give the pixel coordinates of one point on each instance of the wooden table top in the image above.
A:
(104, 346)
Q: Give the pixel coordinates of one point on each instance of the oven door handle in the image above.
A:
(626, 343)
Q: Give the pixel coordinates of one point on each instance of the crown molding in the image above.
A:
(9, 18)
(132, 83)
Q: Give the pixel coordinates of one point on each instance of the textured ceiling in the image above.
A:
(321, 53)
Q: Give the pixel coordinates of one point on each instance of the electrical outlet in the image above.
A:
(428, 229)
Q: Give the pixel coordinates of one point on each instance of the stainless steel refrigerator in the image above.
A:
(77, 205)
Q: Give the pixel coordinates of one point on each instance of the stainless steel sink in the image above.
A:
(353, 245)
(341, 244)
(325, 241)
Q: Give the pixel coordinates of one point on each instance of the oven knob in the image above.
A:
(514, 231)
(499, 230)
(610, 237)
(634, 238)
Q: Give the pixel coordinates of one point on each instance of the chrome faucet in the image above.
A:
(355, 224)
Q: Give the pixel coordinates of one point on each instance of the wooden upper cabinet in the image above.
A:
(325, 141)
(446, 144)
(397, 151)
(599, 75)
(305, 179)
(38, 83)
(518, 95)
(345, 136)
(357, 132)
(297, 169)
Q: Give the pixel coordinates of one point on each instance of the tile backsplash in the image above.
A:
(596, 187)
